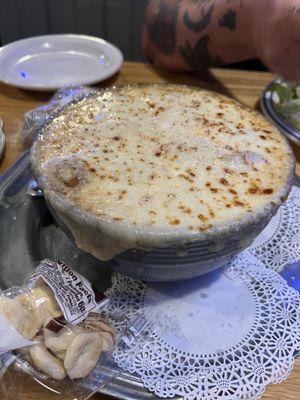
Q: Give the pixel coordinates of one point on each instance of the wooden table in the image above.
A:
(244, 85)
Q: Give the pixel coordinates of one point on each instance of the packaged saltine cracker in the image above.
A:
(56, 329)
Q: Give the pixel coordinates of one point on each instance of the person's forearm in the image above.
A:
(196, 34)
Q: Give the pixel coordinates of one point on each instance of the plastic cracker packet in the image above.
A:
(11, 381)
(56, 329)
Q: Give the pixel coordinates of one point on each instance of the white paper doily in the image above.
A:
(225, 335)
(279, 243)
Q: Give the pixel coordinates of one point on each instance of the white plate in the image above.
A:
(53, 61)
(268, 107)
(2, 139)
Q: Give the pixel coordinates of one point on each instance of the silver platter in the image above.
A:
(29, 233)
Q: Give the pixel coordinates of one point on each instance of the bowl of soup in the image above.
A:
(169, 181)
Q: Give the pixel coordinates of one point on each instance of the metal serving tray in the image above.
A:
(28, 234)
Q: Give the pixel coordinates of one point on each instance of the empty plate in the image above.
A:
(53, 61)
(2, 139)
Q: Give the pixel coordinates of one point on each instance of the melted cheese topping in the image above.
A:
(165, 156)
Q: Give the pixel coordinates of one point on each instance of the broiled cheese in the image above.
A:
(165, 157)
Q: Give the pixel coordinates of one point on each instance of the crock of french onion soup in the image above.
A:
(153, 165)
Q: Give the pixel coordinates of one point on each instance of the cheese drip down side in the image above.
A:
(163, 158)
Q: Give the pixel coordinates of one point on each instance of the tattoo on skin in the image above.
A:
(228, 20)
(198, 57)
(294, 10)
(240, 2)
(162, 26)
(199, 26)
(200, 2)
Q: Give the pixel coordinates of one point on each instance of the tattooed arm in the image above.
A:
(196, 34)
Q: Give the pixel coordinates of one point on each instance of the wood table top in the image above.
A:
(245, 86)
